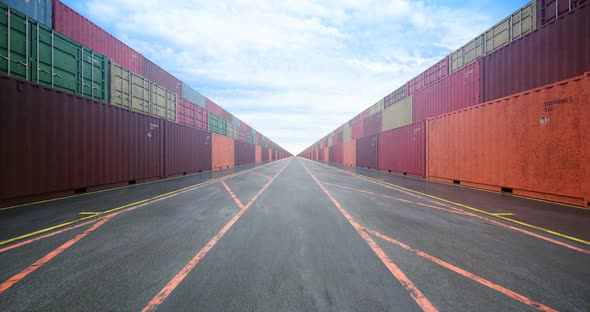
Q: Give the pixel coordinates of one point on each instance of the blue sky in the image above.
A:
(295, 69)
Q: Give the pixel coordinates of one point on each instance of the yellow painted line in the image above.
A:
(90, 213)
(118, 188)
(500, 214)
(575, 239)
(94, 215)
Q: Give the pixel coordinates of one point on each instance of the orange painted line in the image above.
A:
(414, 292)
(514, 228)
(180, 276)
(46, 236)
(481, 280)
(236, 199)
(260, 174)
(33, 267)
(457, 211)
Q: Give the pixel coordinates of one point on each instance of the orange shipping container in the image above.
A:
(258, 156)
(326, 154)
(350, 153)
(222, 152)
(535, 143)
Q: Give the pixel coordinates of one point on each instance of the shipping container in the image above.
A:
(215, 109)
(397, 115)
(376, 108)
(357, 129)
(75, 26)
(244, 153)
(457, 91)
(264, 155)
(326, 155)
(533, 143)
(349, 153)
(235, 121)
(339, 153)
(192, 115)
(270, 155)
(54, 141)
(433, 74)
(258, 155)
(396, 96)
(233, 131)
(515, 26)
(35, 52)
(136, 93)
(222, 152)
(367, 151)
(217, 124)
(156, 74)
(187, 150)
(556, 51)
(402, 150)
(347, 134)
(39, 10)
(194, 96)
(372, 125)
(550, 10)
(242, 135)
(332, 154)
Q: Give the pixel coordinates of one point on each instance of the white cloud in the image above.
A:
(292, 69)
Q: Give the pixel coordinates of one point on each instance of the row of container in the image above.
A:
(66, 51)
(534, 143)
(56, 142)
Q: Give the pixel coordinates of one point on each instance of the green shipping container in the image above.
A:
(397, 115)
(136, 93)
(32, 51)
(347, 134)
(217, 124)
(251, 139)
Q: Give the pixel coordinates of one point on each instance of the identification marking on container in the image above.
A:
(550, 105)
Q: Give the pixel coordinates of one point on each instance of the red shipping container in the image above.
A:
(258, 156)
(433, 74)
(72, 24)
(366, 151)
(192, 115)
(549, 10)
(349, 158)
(554, 52)
(339, 153)
(326, 154)
(403, 150)
(187, 150)
(332, 154)
(357, 129)
(457, 91)
(222, 152)
(396, 96)
(364, 114)
(215, 109)
(372, 125)
(245, 126)
(265, 154)
(161, 77)
(54, 141)
(244, 153)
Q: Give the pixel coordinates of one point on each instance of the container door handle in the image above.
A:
(43, 70)
(57, 75)
(20, 63)
(4, 57)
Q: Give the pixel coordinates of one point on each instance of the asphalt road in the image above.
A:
(292, 235)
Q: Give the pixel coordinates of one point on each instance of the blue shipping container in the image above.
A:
(193, 96)
(37, 9)
(235, 121)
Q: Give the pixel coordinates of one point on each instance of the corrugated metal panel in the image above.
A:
(528, 142)
(366, 151)
(433, 74)
(339, 153)
(222, 152)
(40, 10)
(372, 124)
(347, 134)
(54, 141)
(459, 90)
(194, 96)
(244, 153)
(515, 26)
(397, 115)
(185, 147)
(192, 115)
(134, 92)
(155, 73)
(403, 150)
(70, 23)
(556, 51)
(217, 124)
(265, 154)
(376, 108)
(332, 154)
(349, 151)
(258, 154)
(326, 154)
(396, 96)
(233, 131)
(550, 10)
(357, 129)
(235, 121)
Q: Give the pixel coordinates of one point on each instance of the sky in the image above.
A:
(295, 69)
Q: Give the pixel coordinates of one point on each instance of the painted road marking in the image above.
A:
(414, 292)
(182, 190)
(500, 214)
(180, 276)
(260, 174)
(236, 199)
(399, 188)
(90, 212)
(476, 278)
